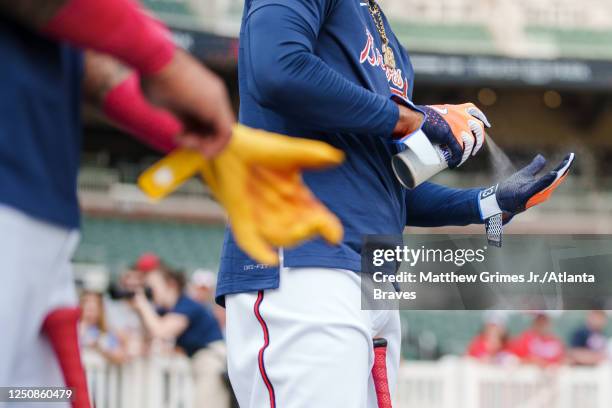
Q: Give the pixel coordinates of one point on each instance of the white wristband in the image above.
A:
(487, 202)
(491, 214)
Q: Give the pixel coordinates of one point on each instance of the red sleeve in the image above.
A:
(127, 107)
(477, 348)
(120, 28)
(520, 346)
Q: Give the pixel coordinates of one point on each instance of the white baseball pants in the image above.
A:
(36, 278)
(308, 343)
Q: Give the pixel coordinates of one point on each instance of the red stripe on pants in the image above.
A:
(260, 358)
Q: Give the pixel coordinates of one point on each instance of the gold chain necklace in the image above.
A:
(388, 55)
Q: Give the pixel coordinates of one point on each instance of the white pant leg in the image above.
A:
(36, 278)
(318, 351)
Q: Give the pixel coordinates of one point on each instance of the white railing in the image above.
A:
(155, 382)
(165, 382)
(461, 383)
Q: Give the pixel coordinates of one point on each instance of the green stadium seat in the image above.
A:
(444, 37)
(117, 243)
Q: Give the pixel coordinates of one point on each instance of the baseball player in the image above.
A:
(40, 149)
(40, 134)
(334, 71)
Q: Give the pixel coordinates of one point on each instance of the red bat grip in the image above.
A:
(379, 374)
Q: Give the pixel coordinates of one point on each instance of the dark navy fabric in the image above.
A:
(433, 205)
(40, 129)
(313, 68)
(593, 340)
(203, 327)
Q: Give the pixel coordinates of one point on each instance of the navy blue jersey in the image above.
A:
(40, 129)
(314, 68)
(203, 327)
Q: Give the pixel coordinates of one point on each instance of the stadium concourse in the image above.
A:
(542, 72)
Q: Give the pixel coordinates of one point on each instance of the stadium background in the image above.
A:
(541, 70)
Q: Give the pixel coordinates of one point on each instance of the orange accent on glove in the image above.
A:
(545, 194)
(467, 124)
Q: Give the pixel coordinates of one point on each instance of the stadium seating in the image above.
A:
(117, 242)
(430, 334)
(444, 37)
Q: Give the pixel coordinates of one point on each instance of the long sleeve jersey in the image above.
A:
(314, 68)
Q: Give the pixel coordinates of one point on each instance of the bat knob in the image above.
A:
(380, 342)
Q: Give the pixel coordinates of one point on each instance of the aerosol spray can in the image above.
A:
(420, 161)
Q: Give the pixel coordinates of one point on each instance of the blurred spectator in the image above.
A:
(195, 329)
(123, 320)
(490, 345)
(202, 286)
(588, 344)
(538, 345)
(93, 331)
(202, 289)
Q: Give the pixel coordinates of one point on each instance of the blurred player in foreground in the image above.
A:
(333, 70)
(40, 133)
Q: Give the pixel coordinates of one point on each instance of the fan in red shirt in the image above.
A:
(490, 344)
(538, 345)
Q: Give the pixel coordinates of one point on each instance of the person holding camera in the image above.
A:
(122, 318)
(194, 329)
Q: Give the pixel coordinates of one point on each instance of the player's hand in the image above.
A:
(257, 179)
(525, 189)
(198, 98)
(461, 128)
(522, 190)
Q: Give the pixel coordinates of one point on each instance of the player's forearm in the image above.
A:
(408, 122)
(290, 79)
(115, 91)
(433, 205)
(102, 74)
(116, 27)
(322, 99)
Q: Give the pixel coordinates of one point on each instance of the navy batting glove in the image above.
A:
(522, 190)
(458, 128)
